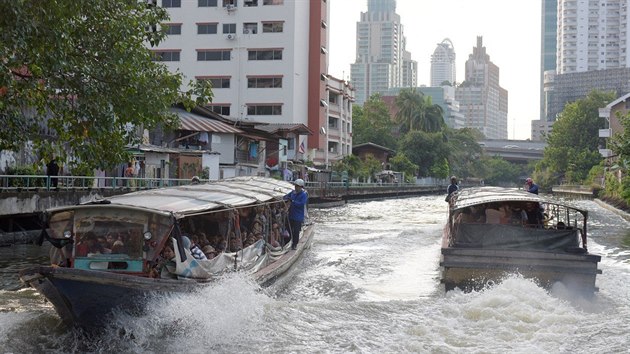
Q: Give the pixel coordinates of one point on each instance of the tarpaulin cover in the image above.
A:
(514, 237)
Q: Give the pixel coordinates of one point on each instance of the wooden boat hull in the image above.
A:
(472, 269)
(87, 298)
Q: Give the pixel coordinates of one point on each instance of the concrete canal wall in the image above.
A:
(22, 205)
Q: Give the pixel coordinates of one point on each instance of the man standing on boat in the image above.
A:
(530, 186)
(298, 199)
(453, 187)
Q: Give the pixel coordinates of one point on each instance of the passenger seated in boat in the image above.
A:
(235, 245)
(165, 259)
(498, 214)
(518, 216)
(104, 245)
(209, 251)
(560, 225)
(534, 215)
(194, 249)
(275, 235)
(89, 246)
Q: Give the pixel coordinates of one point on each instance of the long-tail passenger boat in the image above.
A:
(493, 232)
(110, 254)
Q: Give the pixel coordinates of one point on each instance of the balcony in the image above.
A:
(605, 133)
(245, 157)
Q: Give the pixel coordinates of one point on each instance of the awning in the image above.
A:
(197, 123)
(253, 137)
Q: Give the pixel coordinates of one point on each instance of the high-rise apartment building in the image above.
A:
(266, 59)
(443, 66)
(482, 100)
(592, 42)
(548, 46)
(381, 59)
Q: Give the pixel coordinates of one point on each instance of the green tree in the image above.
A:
(370, 167)
(500, 172)
(351, 164)
(465, 152)
(424, 149)
(433, 117)
(620, 145)
(417, 112)
(409, 103)
(81, 70)
(620, 142)
(440, 169)
(572, 148)
(401, 163)
(372, 123)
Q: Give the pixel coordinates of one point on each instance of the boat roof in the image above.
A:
(467, 197)
(193, 199)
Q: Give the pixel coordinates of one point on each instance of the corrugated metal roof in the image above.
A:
(273, 128)
(481, 195)
(200, 198)
(197, 123)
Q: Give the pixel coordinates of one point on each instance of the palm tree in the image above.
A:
(409, 103)
(433, 116)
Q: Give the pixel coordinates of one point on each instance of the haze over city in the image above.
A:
(510, 31)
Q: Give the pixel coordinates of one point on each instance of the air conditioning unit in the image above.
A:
(230, 7)
(230, 36)
(246, 31)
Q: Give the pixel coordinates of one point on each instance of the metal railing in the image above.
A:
(39, 182)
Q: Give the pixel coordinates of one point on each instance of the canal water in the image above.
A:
(369, 284)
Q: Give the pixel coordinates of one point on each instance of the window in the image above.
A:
(250, 28)
(171, 3)
(265, 54)
(273, 27)
(264, 82)
(333, 123)
(249, 3)
(229, 28)
(166, 55)
(332, 98)
(217, 82)
(172, 28)
(223, 110)
(207, 3)
(273, 2)
(213, 55)
(206, 28)
(264, 110)
(229, 3)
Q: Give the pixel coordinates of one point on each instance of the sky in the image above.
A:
(510, 31)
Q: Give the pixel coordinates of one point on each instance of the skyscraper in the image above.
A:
(592, 50)
(381, 59)
(443, 66)
(548, 34)
(482, 100)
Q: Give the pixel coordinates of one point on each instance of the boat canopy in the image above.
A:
(187, 200)
(483, 195)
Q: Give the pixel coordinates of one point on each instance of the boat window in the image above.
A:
(116, 238)
(60, 224)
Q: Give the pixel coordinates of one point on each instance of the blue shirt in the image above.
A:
(533, 188)
(452, 188)
(298, 201)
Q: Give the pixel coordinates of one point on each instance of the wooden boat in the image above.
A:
(492, 232)
(90, 278)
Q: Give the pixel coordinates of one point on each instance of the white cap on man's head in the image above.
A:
(299, 182)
